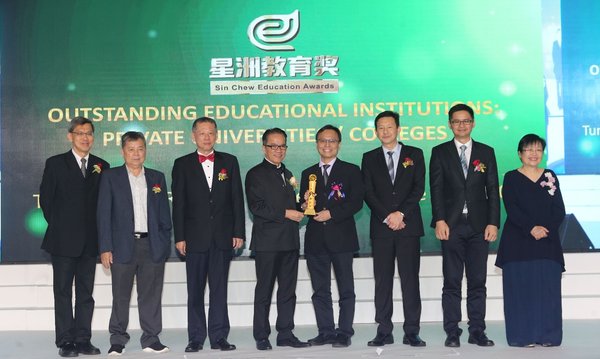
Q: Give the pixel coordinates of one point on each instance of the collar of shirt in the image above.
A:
(78, 158)
(208, 154)
(396, 154)
(130, 173)
(331, 163)
(469, 145)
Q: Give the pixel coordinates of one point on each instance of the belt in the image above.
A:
(138, 235)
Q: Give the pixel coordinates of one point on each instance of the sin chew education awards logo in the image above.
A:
(275, 74)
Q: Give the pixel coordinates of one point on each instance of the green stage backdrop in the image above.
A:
(155, 66)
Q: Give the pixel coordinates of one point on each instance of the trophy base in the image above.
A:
(310, 212)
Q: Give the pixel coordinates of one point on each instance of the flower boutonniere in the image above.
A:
(223, 174)
(550, 183)
(408, 162)
(479, 166)
(97, 168)
(292, 181)
(156, 188)
(336, 191)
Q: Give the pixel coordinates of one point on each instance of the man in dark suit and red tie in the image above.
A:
(465, 202)
(68, 197)
(394, 177)
(270, 189)
(209, 223)
(134, 238)
(331, 237)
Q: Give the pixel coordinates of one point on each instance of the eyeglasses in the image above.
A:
(277, 147)
(81, 134)
(461, 122)
(533, 150)
(329, 141)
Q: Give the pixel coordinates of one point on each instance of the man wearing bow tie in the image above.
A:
(209, 223)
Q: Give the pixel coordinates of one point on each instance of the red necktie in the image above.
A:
(203, 158)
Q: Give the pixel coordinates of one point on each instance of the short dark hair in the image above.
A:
(330, 127)
(272, 131)
(531, 139)
(132, 136)
(78, 121)
(204, 120)
(393, 114)
(460, 107)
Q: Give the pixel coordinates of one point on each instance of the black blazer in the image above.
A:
(116, 219)
(450, 189)
(69, 202)
(404, 195)
(202, 216)
(343, 197)
(268, 197)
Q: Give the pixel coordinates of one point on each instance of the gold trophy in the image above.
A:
(310, 202)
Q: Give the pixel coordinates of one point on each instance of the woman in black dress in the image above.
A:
(530, 253)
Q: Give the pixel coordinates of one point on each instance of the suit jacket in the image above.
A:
(343, 196)
(268, 197)
(115, 215)
(202, 216)
(403, 195)
(69, 202)
(450, 189)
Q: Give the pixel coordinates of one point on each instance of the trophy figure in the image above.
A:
(310, 201)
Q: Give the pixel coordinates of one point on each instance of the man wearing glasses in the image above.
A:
(331, 237)
(270, 190)
(68, 197)
(466, 215)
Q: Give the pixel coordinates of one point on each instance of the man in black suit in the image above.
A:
(270, 190)
(466, 215)
(331, 237)
(394, 176)
(68, 197)
(134, 239)
(209, 223)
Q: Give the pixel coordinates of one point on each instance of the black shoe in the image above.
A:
(480, 339)
(116, 349)
(156, 347)
(292, 342)
(263, 344)
(381, 340)
(222, 344)
(453, 339)
(193, 347)
(342, 341)
(68, 350)
(414, 340)
(322, 339)
(87, 348)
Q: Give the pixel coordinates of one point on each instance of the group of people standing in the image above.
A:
(123, 214)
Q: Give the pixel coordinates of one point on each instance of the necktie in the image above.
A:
(390, 164)
(463, 159)
(325, 175)
(83, 169)
(203, 158)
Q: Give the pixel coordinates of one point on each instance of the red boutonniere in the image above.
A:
(156, 188)
(479, 166)
(223, 175)
(336, 191)
(408, 162)
(97, 168)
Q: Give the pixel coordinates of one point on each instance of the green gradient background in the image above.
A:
(111, 53)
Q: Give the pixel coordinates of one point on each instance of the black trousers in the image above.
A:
(319, 267)
(212, 265)
(69, 327)
(283, 267)
(464, 252)
(149, 284)
(406, 251)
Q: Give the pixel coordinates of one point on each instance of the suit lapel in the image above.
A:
(452, 153)
(73, 167)
(198, 170)
(123, 179)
